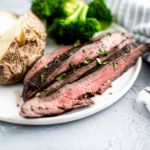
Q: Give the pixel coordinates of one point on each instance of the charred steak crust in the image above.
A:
(74, 75)
(44, 65)
(46, 59)
(73, 57)
(70, 95)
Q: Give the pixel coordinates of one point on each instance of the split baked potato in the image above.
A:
(20, 47)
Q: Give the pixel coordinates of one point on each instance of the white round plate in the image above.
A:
(9, 112)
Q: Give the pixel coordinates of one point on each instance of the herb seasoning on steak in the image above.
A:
(77, 93)
(61, 63)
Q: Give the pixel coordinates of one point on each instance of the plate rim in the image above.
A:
(78, 115)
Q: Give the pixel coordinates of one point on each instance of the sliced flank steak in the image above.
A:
(75, 74)
(78, 94)
(72, 58)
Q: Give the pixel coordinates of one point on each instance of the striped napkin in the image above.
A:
(134, 15)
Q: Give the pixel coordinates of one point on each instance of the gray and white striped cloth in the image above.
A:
(133, 15)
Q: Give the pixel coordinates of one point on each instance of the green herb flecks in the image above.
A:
(87, 61)
(115, 66)
(103, 52)
(110, 93)
(105, 62)
(42, 78)
(69, 54)
(38, 94)
(71, 66)
(77, 43)
(99, 61)
(59, 78)
(46, 66)
(74, 70)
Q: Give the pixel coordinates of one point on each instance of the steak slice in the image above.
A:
(76, 57)
(45, 60)
(75, 75)
(70, 95)
(45, 65)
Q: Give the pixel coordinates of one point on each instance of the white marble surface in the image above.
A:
(123, 126)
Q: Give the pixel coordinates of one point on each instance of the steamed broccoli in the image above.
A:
(99, 10)
(75, 27)
(69, 21)
(44, 8)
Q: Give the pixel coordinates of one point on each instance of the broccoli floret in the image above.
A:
(44, 8)
(99, 10)
(87, 29)
(63, 29)
(62, 32)
(75, 27)
(67, 7)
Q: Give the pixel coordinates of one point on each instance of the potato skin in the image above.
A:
(23, 51)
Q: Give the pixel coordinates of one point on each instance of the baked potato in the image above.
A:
(21, 46)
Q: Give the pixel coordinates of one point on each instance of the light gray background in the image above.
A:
(123, 126)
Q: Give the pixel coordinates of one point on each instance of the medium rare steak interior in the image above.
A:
(78, 92)
(51, 68)
(75, 74)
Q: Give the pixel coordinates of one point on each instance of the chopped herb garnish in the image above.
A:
(42, 78)
(103, 52)
(110, 93)
(105, 62)
(38, 94)
(87, 61)
(69, 54)
(46, 66)
(99, 61)
(71, 65)
(115, 66)
(90, 59)
(59, 78)
(77, 43)
(74, 70)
